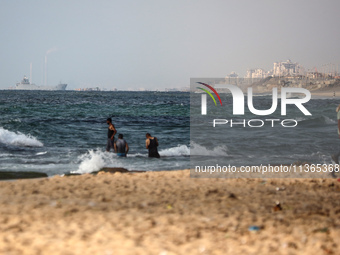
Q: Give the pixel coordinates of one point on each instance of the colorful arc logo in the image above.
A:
(212, 89)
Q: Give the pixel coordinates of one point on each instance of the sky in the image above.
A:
(156, 44)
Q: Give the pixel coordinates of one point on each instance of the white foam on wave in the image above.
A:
(328, 120)
(18, 139)
(180, 150)
(94, 160)
(41, 153)
(299, 119)
(199, 150)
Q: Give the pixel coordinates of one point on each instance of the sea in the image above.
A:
(61, 132)
(293, 138)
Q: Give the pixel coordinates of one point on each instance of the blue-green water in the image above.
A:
(65, 131)
(314, 139)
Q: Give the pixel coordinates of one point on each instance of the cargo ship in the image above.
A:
(25, 84)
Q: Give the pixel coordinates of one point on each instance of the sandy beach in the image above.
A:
(168, 213)
(326, 93)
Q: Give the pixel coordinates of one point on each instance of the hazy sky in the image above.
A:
(157, 44)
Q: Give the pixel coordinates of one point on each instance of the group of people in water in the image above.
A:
(121, 147)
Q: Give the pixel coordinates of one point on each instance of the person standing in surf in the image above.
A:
(110, 135)
(152, 144)
(121, 146)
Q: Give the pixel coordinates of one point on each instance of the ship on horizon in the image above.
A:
(25, 84)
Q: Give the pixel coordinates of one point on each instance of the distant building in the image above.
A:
(257, 73)
(232, 75)
(88, 89)
(171, 89)
(287, 68)
(185, 89)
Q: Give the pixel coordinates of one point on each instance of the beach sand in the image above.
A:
(326, 93)
(169, 213)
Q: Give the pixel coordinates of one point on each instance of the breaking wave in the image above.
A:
(94, 160)
(180, 150)
(200, 150)
(18, 139)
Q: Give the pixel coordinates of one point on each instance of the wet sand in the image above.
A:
(326, 93)
(169, 213)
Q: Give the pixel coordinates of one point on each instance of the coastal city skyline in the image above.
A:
(155, 45)
(286, 68)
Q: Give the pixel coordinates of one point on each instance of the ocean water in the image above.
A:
(58, 132)
(313, 140)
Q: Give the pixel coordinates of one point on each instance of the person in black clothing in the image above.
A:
(152, 144)
(110, 135)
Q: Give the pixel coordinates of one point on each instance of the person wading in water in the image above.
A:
(110, 135)
(152, 144)
(121, 146)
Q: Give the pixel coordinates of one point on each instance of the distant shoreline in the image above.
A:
(329, 93)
